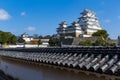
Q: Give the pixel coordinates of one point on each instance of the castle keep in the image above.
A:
(84, 27)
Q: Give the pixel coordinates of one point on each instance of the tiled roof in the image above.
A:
(96, 59)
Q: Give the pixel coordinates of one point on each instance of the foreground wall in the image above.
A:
(95, 60)
(24, 70)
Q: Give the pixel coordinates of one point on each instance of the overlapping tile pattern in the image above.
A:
(96, 59)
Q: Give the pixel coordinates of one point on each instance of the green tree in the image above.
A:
(20, 40)
(113, 44)
(39, 42)
(54, 42)
(1, 37)
(7, 37)
(13, 39)
(103, 37)
(86, 43)
(101, 33)
(101, 42)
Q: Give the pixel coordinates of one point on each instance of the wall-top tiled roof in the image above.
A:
(96, 59)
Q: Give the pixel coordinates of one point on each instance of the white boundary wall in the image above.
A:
(26, 46)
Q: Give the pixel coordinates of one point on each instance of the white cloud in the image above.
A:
(4, 15)
(23, 13)
(107, 20)
(30, 28)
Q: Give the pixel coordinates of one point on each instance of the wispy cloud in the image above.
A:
(107, 21)
(23, 13)
(118, 17)
(4, 15)
(101, 12)
(102, 3)
(30, 28)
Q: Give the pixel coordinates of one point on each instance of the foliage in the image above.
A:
(54, 42)
(7, 38)
(13, 39)
(86, 43)
(39, 42)
(112, 44)
(20, 40)
(101, 33)
(101, 42)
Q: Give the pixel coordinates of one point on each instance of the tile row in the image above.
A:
(101, 63)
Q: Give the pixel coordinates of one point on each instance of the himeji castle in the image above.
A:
(84, 27)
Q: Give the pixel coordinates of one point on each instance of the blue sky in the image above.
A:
(43, 16)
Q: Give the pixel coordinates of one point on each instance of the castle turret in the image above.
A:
(61, 30)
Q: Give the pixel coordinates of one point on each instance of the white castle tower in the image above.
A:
(85, 27)
(61, 30)
(89, 22)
